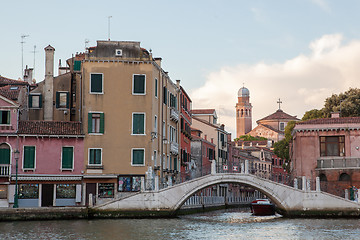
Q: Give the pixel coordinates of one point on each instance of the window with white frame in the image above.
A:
(155, 158)
(67, 158)
(281, 126)
(96, 122)
(95, 156)
(4, 117)
(138, 157)
(173, 133)
(155, 124)
(96, 83)
(62, 100)
(138, 123)
(139, 84)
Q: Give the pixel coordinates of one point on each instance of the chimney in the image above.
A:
(178, 83)
(158, 61)
(49, 83)
(28, 72)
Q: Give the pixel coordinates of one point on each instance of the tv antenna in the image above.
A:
(86, 43)
(22, 53)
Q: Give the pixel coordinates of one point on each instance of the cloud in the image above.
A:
(302, 82)
(322, 4)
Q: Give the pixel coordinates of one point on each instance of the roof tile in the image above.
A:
(50, 128)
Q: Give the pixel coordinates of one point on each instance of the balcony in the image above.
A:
(4, 169)
(174, 148)
(174, 115)
(337, 162)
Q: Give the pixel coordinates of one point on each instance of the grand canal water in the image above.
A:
(224, 225)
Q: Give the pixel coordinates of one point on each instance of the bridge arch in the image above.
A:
(257, 183)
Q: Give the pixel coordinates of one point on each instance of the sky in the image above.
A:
(300, 51)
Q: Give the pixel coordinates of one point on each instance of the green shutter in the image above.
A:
(67, 100)
(139, 84)
(91, 157)
(67, 157)
(57, 99)
(89, 122)
(138, 156)
(102, 122)
(77, 65)
(8, 117)
(29, 157)
(138, 124)
(97, 156)
(96, 83)
(4, 156)
(30, 101)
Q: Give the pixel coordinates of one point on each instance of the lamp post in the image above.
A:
(16, 196)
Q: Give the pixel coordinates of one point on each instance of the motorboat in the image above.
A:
(262, 207)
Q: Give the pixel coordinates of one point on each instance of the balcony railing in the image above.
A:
(174, 115)
(338, 162)
(4, 169)
(174, 148)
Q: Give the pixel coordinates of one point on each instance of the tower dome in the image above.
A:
(243, 92)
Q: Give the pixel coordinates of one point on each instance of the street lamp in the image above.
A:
(16, 196)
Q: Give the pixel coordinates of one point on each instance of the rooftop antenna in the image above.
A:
(109, 27)
(34, 60)
(86, 43)
(22, 53)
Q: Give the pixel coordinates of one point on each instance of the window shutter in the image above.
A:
(89, 122)
(67, 100)
(67, 157)
(165, 95)
(175, 163)
(57, 99)
(102, 123)
(4, 156)
(77, 65)
(139, 84)
(156, 87)
(138, 156)
(29, 157)
(30, 101)
(97, 156)
(40, 101)
(8, 117)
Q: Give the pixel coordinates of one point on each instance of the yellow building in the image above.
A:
(130, 117)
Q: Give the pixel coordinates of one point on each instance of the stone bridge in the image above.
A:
(290, 201)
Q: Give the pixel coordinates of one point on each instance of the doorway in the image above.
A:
(90, 188)
(47, 195)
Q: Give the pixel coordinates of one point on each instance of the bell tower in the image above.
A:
(243, 112)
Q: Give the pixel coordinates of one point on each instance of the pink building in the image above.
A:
(328, 149)
(49, 156)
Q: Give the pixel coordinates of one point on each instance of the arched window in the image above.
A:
(323, 178)
(249, 113)
(242, 112)
(246, 112)
(280, 178)
(4, 154)
(344, 177)
(237, 113)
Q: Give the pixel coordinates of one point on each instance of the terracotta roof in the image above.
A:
(271, 128)
(7, 81)
(331, 121)
(10, 92)
(278, 115)
(196, 138)
(202, 111)
(50, 128)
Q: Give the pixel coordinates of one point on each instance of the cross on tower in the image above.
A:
(279, 102)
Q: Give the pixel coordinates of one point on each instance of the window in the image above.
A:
(96, 122)
(35, 101)
(282, 126)
(172, 136)
(96, 83)
(175, 164)
(4, 154)
(155, 124)
(129, 183)
(155, 158)
(65, 191)
(67, 157)
(332, 146)
(344, 177)
(3, 191)
(156, 87)
(323, 177)
(62, 100)
(139, 84)
(173, 101)
(95, 155)
(138, 123)
(106, 190)
(138, 157)
(29, 157)
(165, 95)
(5, 117)
(28, 191)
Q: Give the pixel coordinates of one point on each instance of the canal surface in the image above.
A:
(224, 225)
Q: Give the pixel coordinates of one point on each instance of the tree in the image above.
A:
(250, 138)
(281, 148)
(313, 114)
(347, 103)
